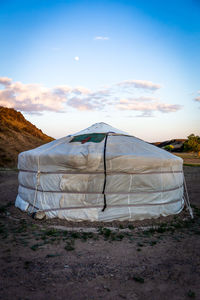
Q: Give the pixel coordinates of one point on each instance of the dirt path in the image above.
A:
(40, 262)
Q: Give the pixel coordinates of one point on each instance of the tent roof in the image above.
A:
(100, 128)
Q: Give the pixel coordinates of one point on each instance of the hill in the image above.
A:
(176, 143)
(17, 135)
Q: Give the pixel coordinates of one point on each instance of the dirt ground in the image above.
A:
(189, 158)
(153, 259)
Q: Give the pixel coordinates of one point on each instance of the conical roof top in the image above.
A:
(100, 128)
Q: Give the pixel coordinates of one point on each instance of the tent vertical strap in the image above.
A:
(104, 163)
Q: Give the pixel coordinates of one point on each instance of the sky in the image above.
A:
(132, 64)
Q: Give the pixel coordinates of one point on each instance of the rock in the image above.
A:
(39, 215)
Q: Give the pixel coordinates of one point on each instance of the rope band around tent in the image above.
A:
(106, 193)
(99, 173)
(99, 206)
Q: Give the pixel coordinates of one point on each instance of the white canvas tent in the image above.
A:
(100, 174)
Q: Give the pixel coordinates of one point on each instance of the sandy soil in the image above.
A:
(128, 262)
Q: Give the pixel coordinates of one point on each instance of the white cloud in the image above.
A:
(5, 81)
(101, 38)
(81, 104)
(138, 99)
(62, 90)
(147, 107)
(139, 84)
(35, 98)
(197, 99)
(31, 97)
(146, 114)
(166, 108)
(81, 91)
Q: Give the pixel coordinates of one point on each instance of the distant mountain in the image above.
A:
(17, 135)
(176, 143)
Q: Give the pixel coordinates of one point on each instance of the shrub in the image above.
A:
(192, 143)
(169, 147)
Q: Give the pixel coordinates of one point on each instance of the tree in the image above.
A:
(192, 143)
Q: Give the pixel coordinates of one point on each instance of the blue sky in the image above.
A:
(132, 64)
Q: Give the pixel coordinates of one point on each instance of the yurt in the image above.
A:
(100, 174)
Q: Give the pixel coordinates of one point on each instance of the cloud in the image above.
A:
(62, 90)
(80, 91)
(5, 81)
(147, 107)
(138, 99)
(31, 97)
(82, 104)
(139, 84)
(167, 108)
(197, 99)
(146, 114)
(100, 94)
(101, 38)
(35, 98)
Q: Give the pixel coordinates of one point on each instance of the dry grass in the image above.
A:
(189, 158)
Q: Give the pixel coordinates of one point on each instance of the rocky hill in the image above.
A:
(17, 135)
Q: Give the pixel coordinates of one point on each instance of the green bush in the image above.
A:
(169, 147)
(192, 143)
